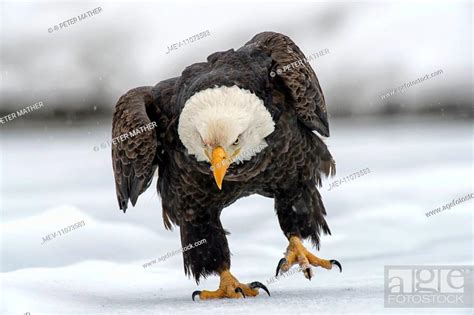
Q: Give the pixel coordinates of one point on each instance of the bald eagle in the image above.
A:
(241, 123)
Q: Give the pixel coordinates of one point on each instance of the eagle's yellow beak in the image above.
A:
(220, 163)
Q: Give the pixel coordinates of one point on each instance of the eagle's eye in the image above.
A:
(236, 142)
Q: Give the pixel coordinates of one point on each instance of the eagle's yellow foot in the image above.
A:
(230, 287)
(297, 253)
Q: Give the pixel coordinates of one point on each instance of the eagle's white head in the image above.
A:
(224, 125)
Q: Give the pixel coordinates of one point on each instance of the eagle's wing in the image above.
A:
(291, 67)
(138, 122)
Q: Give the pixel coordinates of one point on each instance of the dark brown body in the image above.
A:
(288, 170)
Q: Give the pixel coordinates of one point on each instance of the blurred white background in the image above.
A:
(374, 47)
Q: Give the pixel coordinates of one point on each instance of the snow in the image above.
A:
(52, 179)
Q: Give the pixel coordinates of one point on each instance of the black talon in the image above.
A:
(196, 293)
(338, 264)
(280, 263)
(239, 290)
(307, 271)
(260, 285)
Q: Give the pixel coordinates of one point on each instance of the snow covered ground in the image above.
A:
(52, 178)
